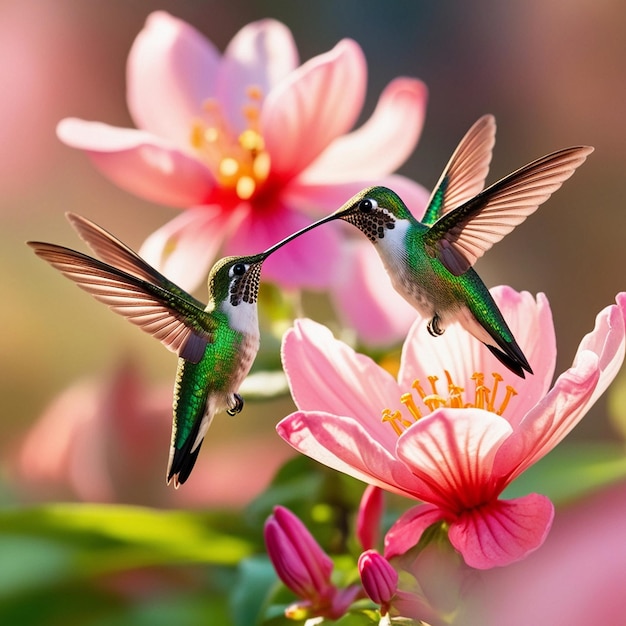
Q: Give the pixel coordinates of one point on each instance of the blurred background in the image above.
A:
(553, 74)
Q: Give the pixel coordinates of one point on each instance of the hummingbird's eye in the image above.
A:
(239, 269)
(367, 205)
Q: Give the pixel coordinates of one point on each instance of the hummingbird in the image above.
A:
(216, 344)
(430, 263)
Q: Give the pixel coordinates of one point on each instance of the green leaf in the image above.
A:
(571, 471)
(256, 578)
(101, 539)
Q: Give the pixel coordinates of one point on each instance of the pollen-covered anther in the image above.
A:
(483, 398)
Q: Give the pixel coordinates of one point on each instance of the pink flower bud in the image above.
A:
(379, 579)
(298, 559)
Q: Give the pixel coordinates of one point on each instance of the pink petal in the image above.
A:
(502, 532)
(342, 444)
(382, 144)
(457, 352)
(607, 340)
(369, 517)
(409, 527)
(308, 261)
(260, 55)
(325, 374)
(320, 101)
(328, 197)
(365, 299)
(185, 248)
(452, 451)
(140, 162)
(551, 420)
(171, 71)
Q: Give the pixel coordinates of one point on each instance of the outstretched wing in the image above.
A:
(459, 238)
(174, 319)
(112, 251)
(464, 175)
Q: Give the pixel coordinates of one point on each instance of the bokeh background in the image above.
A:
(553, 73)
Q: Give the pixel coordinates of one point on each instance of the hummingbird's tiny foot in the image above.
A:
(433, 327)
(236, 406)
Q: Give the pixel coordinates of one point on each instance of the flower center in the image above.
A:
(241, 162)
(482, 398)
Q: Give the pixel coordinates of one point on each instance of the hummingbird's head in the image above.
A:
(373, 211)
(236, 279)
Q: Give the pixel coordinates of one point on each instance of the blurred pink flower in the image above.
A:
(106, 440)
(253, 142)
(577, 578)
(455, 450)
(100, 441)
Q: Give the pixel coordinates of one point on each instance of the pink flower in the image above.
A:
(305, 568)
(454, 442)
(252, 142)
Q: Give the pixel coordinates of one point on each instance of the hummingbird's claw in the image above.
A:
(433, 327)
(236, 406)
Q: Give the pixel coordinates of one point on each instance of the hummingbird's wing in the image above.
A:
(464, 175)
(459, 238)
(174, 318)
(112, 251)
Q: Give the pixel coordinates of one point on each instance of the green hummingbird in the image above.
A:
(430, 262)
(216, 344)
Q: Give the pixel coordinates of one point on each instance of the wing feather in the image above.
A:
(460, 237)
(116, 253)
(464, 175)
(178, 323)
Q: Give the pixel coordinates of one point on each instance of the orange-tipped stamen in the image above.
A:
(484, 398)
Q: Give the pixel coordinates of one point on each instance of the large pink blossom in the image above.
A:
(253, 142)
(454, 443)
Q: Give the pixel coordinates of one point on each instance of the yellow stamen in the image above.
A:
(510, 392)
(409, 403)
(245, 187)
(395, 419)
(483, 398)
(496, 380)
(239, 162)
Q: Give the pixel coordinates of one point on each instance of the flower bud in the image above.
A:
(379, 579)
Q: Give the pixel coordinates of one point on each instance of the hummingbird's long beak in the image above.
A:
(280, 244)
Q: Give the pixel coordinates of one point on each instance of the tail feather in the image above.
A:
(183, 459)
(517, 363)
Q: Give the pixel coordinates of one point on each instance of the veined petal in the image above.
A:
(185, 248)
(325, 374)
(342, 444)
(259, 56)
(140, 162)
(452, 451)
(551, 419)
(365, 299)
(318, 102)
(171, 71)
(409, 527)
(308, 261)
(503, 531)
(382, 144)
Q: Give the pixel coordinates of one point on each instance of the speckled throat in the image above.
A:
(373, 224)
(246, 288)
